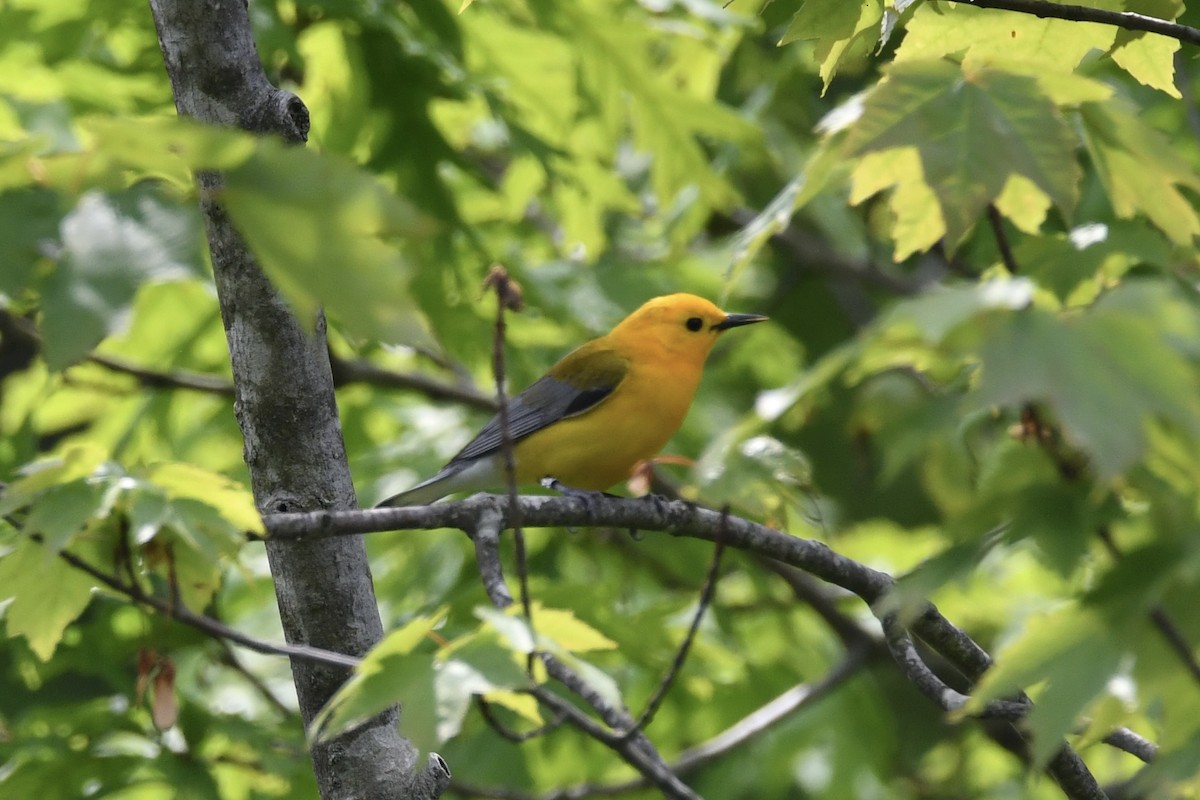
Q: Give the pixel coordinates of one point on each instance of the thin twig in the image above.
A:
(485, 711)
(1128, 741)
(230, 659)
(740, 733)
(154, 379)
(1120, 19)
(1159, 616)
(345, 372)
(1006, 253)
(208, 625)
(508, 296)
(681, 654)
(350, 371)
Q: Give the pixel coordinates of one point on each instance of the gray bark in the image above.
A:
(285, 405)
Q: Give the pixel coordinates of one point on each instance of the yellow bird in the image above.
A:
(604, 407)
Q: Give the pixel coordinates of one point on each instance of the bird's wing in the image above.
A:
(576, 384)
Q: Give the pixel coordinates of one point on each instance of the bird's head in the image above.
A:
(681, 325)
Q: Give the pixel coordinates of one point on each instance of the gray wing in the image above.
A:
(542, 404)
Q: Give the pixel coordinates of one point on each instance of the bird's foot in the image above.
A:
(587, 496)
(660, 502)
(555, 485)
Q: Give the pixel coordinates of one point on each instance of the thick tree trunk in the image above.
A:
(286, 408)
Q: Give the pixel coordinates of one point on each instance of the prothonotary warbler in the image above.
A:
(604, 407)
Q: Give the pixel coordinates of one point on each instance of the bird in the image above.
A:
(605, 406)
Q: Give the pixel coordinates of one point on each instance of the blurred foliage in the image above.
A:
(870, 174)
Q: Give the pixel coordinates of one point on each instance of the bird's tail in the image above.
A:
(471, 476)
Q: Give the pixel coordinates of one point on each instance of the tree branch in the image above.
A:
(1120, 19)
(175, 379)
(349, 371)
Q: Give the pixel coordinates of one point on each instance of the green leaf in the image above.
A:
(1149, 57)
(939, 311)
(111, 245)
(76, 462)
(756, 473)
(1060, 519)
(390, 673)
(29, 220)
(168, 146)
(47, 595)
(1141, 170)
(326, 233)
(477, 667)
(842, 30)
(62, 511)
(776, 216)
(972, 128)
(512, 628)
(1103, 373)
(1089, 256)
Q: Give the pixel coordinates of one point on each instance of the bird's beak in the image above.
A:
(734, 320)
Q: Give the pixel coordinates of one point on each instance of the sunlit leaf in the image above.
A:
(1140, 170)
(972, 128)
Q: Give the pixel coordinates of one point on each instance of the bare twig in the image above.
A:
(485, 533)
(350, 371)
(345, 373)
(208, 625)
(1159, 617)
(1120, 19)
(772, 713)
(1128, 741)
(485, 711)
(737, 735)
(174, 379)
(681, 654)
(230, 659)
(508, 296)
(1001, 236)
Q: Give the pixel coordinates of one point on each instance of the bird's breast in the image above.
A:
(599, 448)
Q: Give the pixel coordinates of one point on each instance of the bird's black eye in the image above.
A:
(694, 323)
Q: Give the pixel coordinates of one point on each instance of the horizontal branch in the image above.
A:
(678, 518)
(345, 373)
(174, 379)
(1120, 19)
